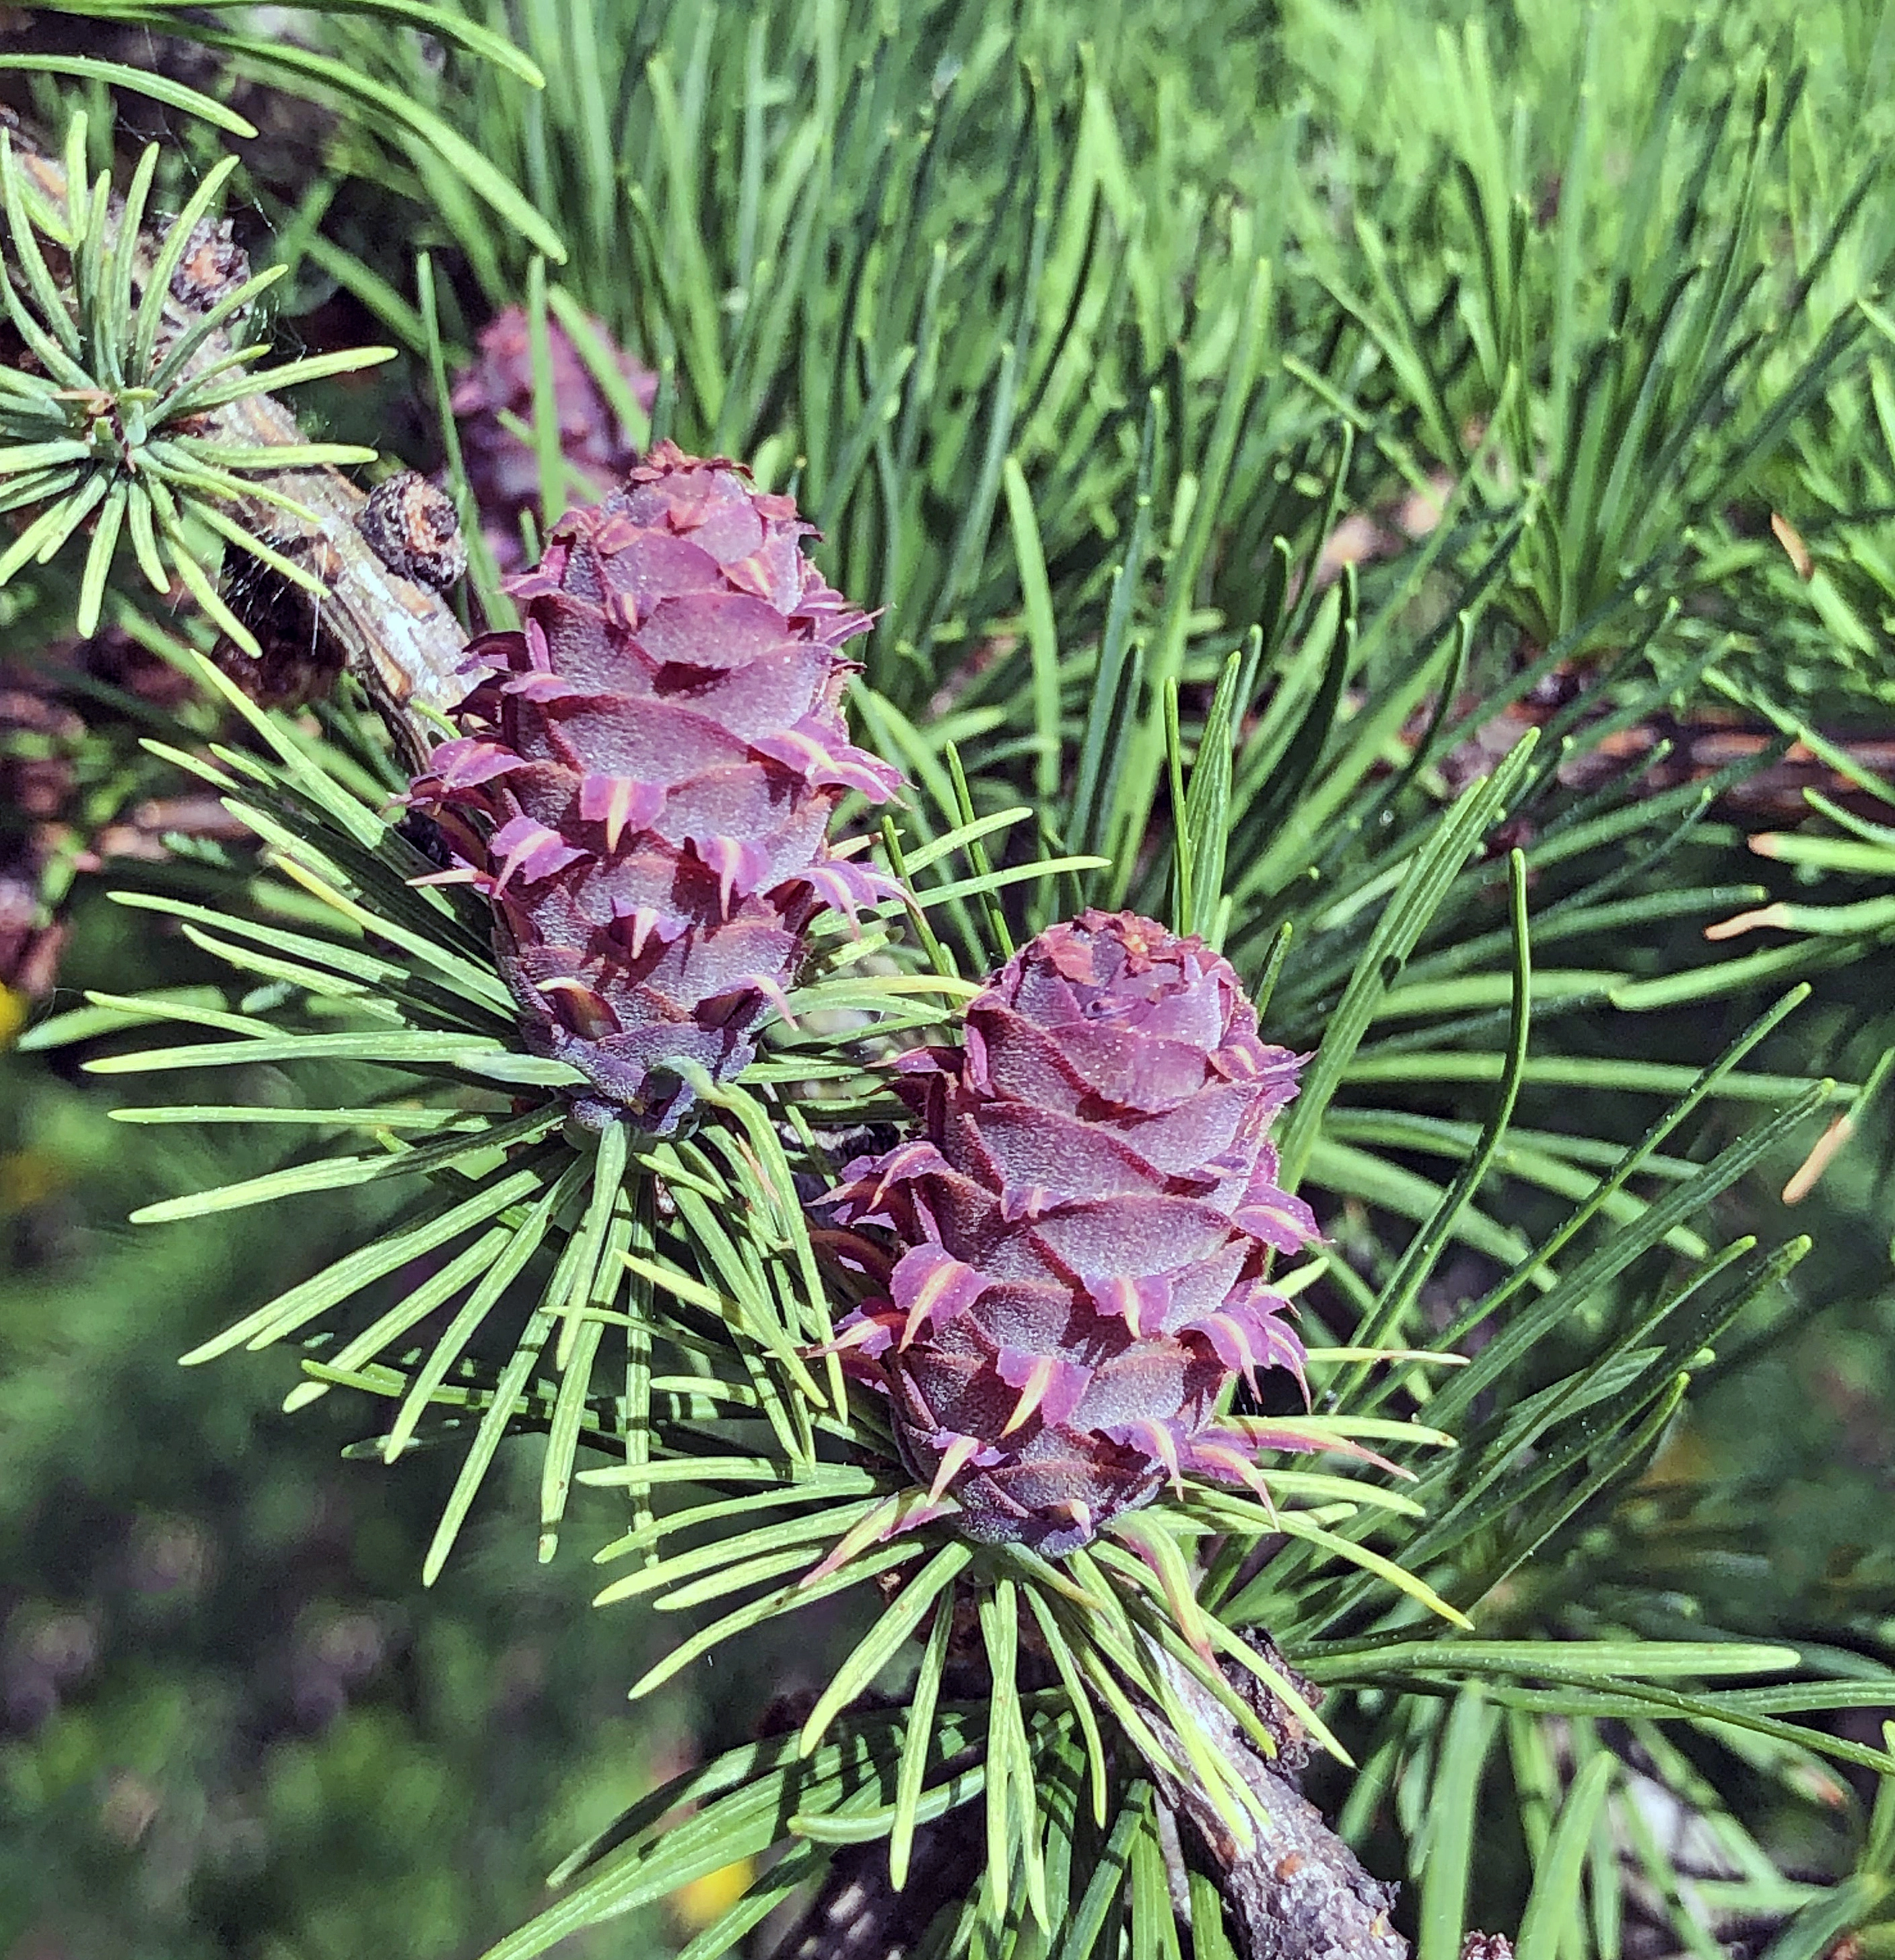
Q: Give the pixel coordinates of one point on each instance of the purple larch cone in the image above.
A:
(647, 775)
(1084, 1229)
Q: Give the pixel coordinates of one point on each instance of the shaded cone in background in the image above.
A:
(75, 789)
(502, 471)
(645, 783)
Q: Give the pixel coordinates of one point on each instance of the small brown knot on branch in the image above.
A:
(411, 525)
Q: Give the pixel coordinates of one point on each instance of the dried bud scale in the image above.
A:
(410, 525)
(644, 784)
(1084, 1227)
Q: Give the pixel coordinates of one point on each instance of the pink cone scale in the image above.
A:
(1080, 1237)
(646, 777)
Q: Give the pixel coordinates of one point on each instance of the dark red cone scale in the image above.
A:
(647, 775)
(1084, 1227)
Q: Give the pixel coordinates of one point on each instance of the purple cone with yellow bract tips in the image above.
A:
(644, 786)
(1082, 1231)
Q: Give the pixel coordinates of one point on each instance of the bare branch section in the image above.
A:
(377, 618)
(1297, 1893)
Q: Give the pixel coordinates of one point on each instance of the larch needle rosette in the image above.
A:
(1081, 1236)
(645, 782)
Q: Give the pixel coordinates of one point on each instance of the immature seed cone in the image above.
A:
(1084, 1225)
(646, 784)
(502, 471)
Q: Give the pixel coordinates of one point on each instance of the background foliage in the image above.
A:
(1058, 320)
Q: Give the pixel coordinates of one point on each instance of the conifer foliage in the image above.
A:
(1079, 1062)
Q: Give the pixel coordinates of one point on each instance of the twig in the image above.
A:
(1298, 1892)
(398, 635)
